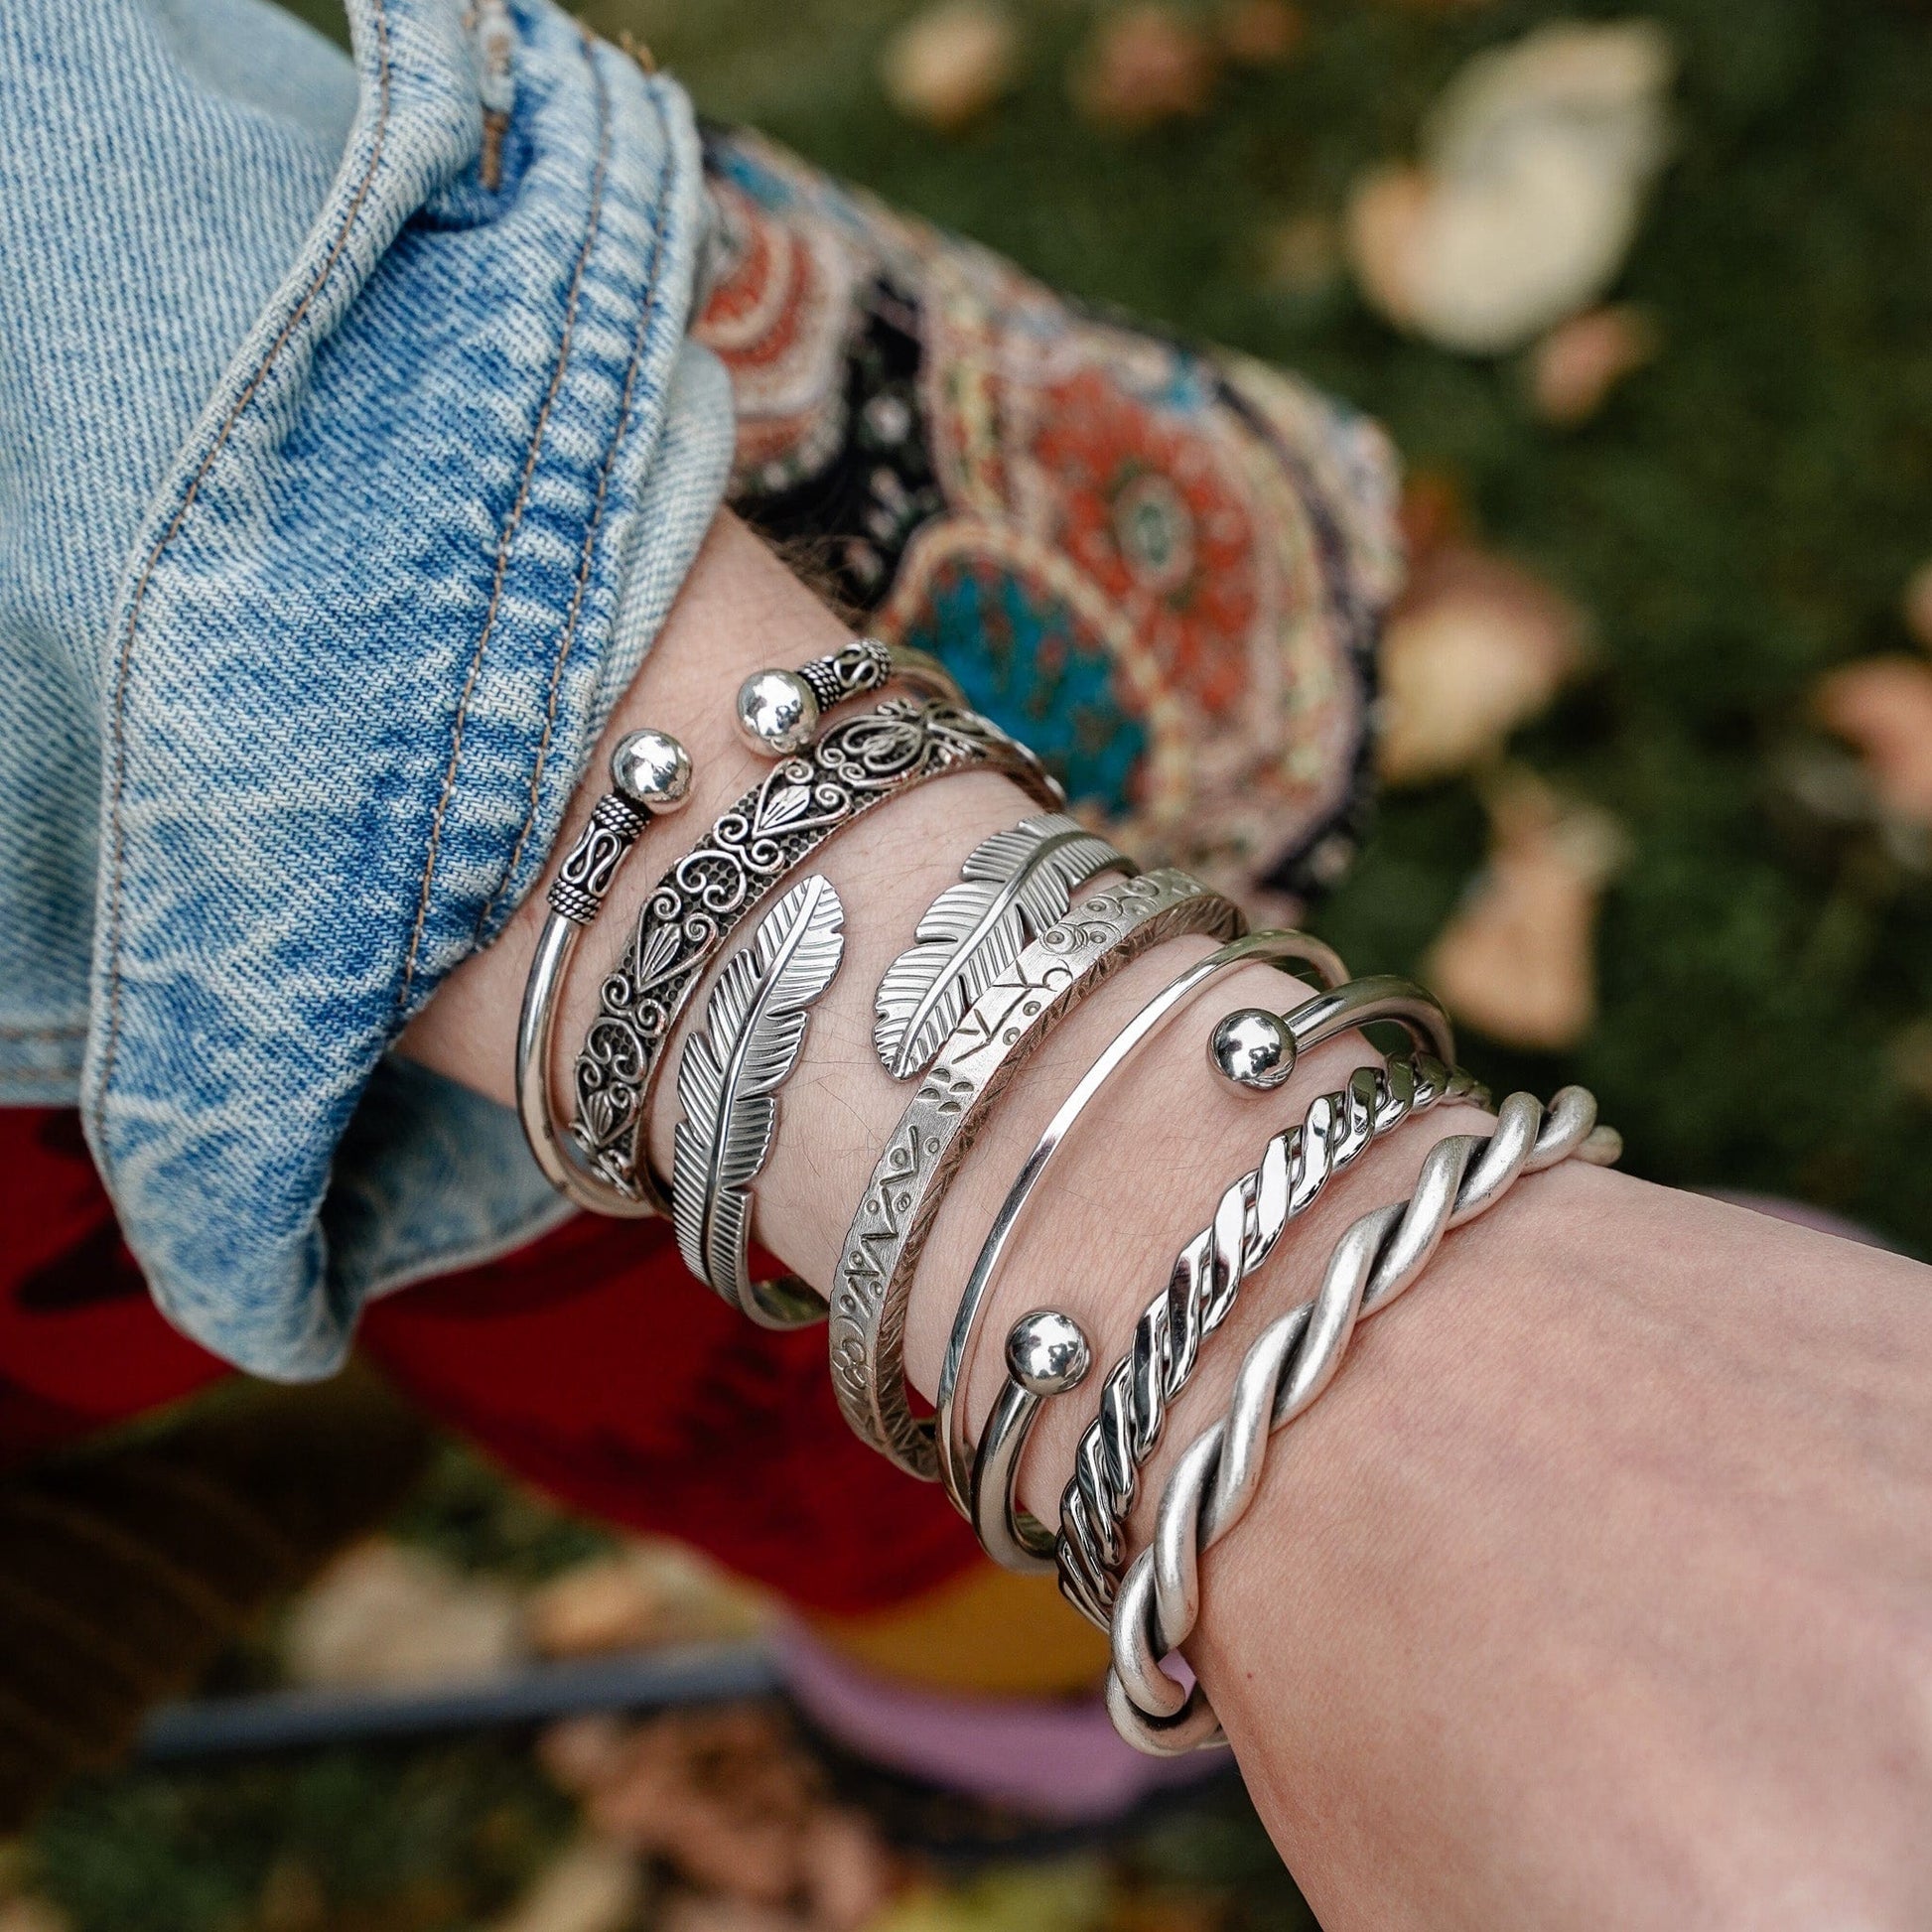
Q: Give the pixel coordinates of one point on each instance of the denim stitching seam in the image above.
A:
(508, 536)
(641, 337)
(123, 668)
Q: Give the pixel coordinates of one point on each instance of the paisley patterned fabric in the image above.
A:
(1162, 566)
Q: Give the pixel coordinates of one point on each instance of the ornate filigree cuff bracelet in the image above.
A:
(650, 775)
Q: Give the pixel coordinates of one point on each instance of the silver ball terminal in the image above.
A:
(651, 769)
(1048, 1352)
(1253, 1050)
(777, 712)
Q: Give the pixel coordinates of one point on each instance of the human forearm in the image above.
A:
(1433, 1640)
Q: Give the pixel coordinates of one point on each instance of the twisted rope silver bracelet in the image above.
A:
(1288, 1365)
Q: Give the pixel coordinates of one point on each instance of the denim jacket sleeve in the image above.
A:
(352, 450)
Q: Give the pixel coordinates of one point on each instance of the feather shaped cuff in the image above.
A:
(728, 1080)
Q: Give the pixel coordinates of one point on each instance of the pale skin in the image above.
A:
(1598, 1589)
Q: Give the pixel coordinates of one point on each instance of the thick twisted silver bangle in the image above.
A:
(1001, 1031)
(1276, 948)
(650, 775)
(848, 769)
(1287, 1366)
(1253, 1213)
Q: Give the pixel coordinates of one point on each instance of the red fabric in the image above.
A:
(590, 1364)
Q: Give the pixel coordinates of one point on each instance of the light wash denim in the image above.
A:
(340, 492)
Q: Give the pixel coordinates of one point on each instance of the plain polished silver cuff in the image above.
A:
(1278, 948)
(1001, 1031)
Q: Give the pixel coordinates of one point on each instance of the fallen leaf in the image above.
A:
(1262, 33)
(1532, 177)
(1883, 706)
(947, 66)
(1917, 605)
(1516, 960)
(1144, 64)
(1579, 361)
(594, 1887)
(1476, 646)
(384, 1614)
(849, 1874)
(723, 1796)
(646, 1593)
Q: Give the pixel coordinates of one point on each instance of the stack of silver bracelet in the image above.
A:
(1042, 917)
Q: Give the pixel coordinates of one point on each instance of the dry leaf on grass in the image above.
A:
(384, 1614)
(731, 1802)
(947, 66)
(646, 1593)
(1883, 706)
(1517, 959)
(1534, 168)
(1476, 646)
(1573, 368)
(1144, 64)
(594, 1887)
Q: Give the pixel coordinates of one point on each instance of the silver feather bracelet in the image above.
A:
(729, 1075)
(1287, 1367)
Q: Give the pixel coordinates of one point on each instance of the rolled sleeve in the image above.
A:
(371, 626)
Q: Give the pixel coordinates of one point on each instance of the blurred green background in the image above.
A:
(1743, 515)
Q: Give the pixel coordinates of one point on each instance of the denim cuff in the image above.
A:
(376, 615)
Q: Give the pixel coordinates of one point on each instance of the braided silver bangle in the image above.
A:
(1207, 1277)
(1275, 947)
(1001, 1031)
(848, 769)
(651, 774)
(1253, 1212)
(1287, 1366)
